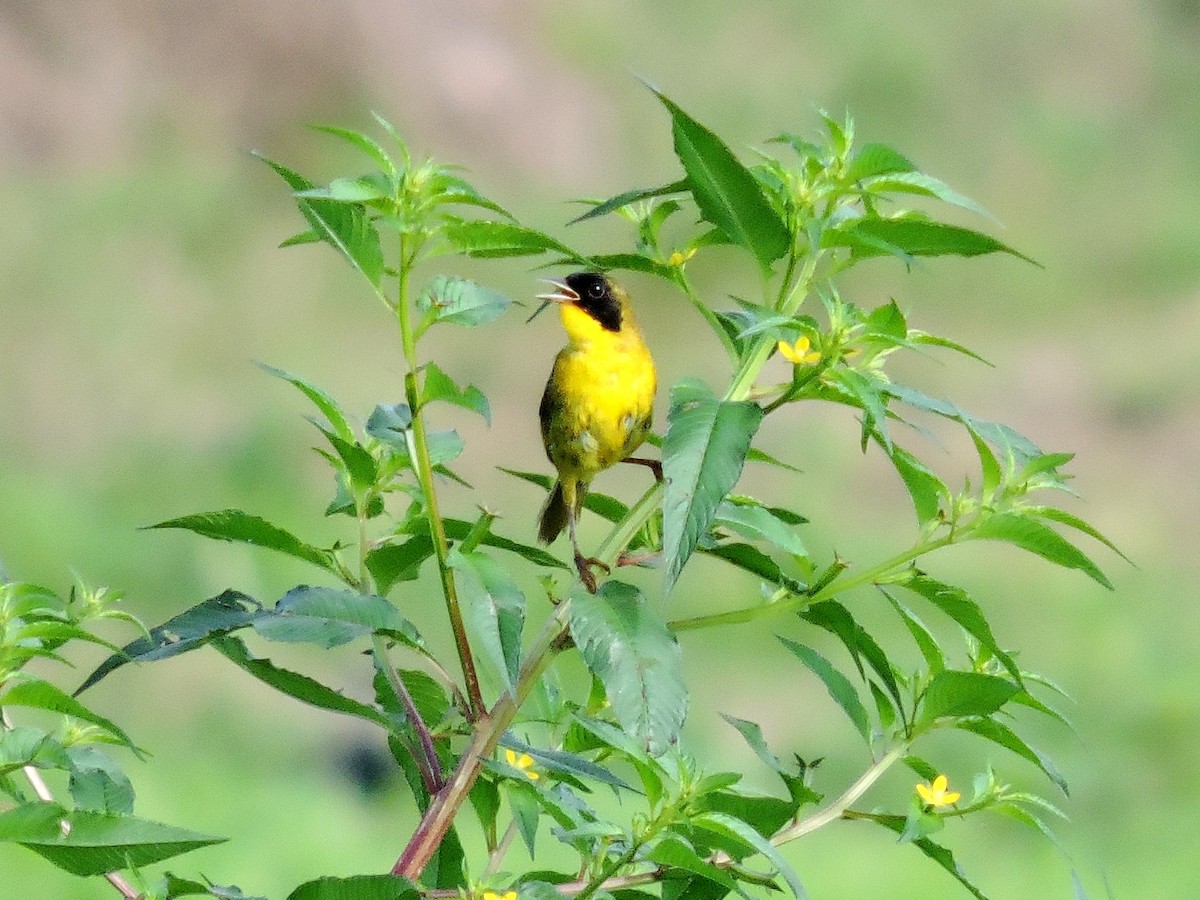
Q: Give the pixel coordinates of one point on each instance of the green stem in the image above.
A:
(426, 760)
(485, 737)
(419, 445)
(838, 807)
(793, 602)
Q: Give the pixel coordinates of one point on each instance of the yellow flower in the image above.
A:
(799, 354)
(677, 259)
(523, 763)
(936, 794)
(507, 895)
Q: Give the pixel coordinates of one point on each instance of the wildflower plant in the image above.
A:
(499, 747)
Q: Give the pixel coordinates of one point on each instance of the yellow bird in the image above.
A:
(598, 403)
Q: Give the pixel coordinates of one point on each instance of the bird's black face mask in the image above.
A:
(596, 299)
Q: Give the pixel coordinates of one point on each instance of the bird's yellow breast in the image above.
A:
(598, 403)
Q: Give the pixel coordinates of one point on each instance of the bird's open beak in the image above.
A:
(561, 294)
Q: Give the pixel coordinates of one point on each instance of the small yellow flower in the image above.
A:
(524, 764)
(936, 794)
(677, 259)
(799, 354)
(507, 895)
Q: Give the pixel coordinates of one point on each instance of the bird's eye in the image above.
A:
(596, 290)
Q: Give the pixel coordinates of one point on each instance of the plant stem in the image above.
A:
(793, 602)
(485, 737)
(427, 760)
(419, 445)
(838, 807)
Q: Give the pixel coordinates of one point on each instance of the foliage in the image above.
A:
(801, 216)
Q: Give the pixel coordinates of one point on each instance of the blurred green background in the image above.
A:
(139, 280)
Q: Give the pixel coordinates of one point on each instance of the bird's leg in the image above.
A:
(584, 563)
(653, 465)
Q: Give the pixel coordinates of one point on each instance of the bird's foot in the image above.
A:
(653, 465)
(584, 564)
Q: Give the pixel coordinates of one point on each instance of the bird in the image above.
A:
(598, 405)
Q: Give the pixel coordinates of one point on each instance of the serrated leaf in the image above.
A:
(460, 301)
(480, 238)
(565, 763)
(439, 386)
(631, 196)
(756, 522)
(330, 617)
(672, 852)
(936, 852)
(924, 639)
(320, 399)
(999, 733)
(958, 605)
(1062, 517)
(752, 733)
(495, 611)
(346, 227)
(837, 620)
(364, 143)
(703, 455)
(636, 658)
(838, 685)
(360, 465)
(911, 237)
(1029, 534)
(737, 829)
(97, 782)
(26, 690)
(394, 563)
(750, 559)
(924, 185)
(96, 843)
(25, 746)
(356, 887)
(191, 629)
(726, 192)
(241, 527)
(305, 689)
(924, 487)
(877, 159)
(957, 694)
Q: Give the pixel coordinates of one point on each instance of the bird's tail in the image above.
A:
(554, 515)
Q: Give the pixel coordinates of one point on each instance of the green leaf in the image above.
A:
(97, 783)
(390, 423)
(936, 852)
(1029, 534)
(393, 563)
(495, 611)
(726, 192)
(752, 733)
(460, 301)
(357, 887)
(999, 733)
(924, 185)
(837, 620)
(96, 843)
(330, 617)
(909, 237)
(926, 490)
(703, 455)
(303, 688)
(171, 886)
(187, 631)
(366, 144)
(958, 605)
(736, 829)
(485, 239)
(27, 690)
(750, 559)
(237, 526)
(756, 522)
(458, 529)
(924, 639)
(838, 685)
(869, 395)
(636, 658)
(360, 465)
(523, 802)
(565, 763)
(631, 196)
(1054, 514)
(958, 694)
(877, 159)
(325, 403)
(439, 386)
(25, 746)
(671, 851)
(345, 227)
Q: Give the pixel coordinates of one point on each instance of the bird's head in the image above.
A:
(588, 302)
